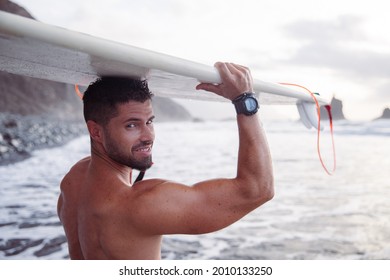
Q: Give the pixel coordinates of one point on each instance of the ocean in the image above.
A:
(312, 216)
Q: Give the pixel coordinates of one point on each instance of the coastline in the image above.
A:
(21, 135)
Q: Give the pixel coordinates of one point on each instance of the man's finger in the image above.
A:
(223, 70)
(236, 68)
(241, 67)
(209, 87)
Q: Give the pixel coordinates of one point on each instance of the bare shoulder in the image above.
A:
(154, 186)
(152, 193)
(147, 186)
(75, 172)
(81, 165)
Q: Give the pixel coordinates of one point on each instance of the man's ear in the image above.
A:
(95, 131)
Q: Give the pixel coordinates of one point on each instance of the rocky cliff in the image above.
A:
(8, 6)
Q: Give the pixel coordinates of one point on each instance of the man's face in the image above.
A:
(128, 137)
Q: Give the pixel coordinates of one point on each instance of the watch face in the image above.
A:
(250, 104)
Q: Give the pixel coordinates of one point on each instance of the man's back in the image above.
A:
(94, 212)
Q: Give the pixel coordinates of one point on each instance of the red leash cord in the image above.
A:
(329, 110)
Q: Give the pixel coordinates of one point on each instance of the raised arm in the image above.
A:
(170, 208)
(254, 169)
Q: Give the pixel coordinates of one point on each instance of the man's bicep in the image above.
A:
(222, 202)
(173, 208)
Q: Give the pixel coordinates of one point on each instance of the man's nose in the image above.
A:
(147, 133)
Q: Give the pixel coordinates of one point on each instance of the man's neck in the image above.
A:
(103, 163)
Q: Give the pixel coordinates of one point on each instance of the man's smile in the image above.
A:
(145, 150)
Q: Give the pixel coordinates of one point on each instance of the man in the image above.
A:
(106, 216)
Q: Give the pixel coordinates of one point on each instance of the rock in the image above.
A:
(52, 246)
(15, 246)
(10, 123)
(337, 110)
(385, 114)
(32, 132)
(13, 8)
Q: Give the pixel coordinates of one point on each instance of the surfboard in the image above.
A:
(44, 51)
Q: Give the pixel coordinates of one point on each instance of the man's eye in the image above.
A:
(131, 125)
(150, 122)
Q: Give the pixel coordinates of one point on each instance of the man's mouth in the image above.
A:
(146, 150)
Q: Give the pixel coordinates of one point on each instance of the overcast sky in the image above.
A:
(334, 47)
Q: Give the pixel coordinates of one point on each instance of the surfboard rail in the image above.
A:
(36, 49)
(14, 25)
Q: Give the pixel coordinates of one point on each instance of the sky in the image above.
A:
(334, 47)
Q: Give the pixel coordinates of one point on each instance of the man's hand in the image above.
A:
(236, 79)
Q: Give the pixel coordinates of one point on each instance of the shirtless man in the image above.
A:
(107, 216)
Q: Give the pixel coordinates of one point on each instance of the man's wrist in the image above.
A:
(246, 104)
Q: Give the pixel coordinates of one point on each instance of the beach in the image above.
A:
(21, 135)
(312, 216)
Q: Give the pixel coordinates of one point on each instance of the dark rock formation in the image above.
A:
(337, 110)
(13, 8)
(385, 114)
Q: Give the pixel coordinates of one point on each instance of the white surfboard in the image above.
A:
(35, 49)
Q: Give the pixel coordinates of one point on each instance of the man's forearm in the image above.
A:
(254, 170)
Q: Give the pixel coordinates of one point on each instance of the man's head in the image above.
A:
(102, 97)
(119, 116)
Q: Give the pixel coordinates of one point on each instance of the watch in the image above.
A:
(246, 104)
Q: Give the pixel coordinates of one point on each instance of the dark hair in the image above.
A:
(102, 96)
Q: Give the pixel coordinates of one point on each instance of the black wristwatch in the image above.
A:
(246, 104)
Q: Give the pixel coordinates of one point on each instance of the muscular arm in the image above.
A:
(170, 208)
(254, 171)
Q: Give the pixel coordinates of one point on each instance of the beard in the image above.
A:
(124, 157)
